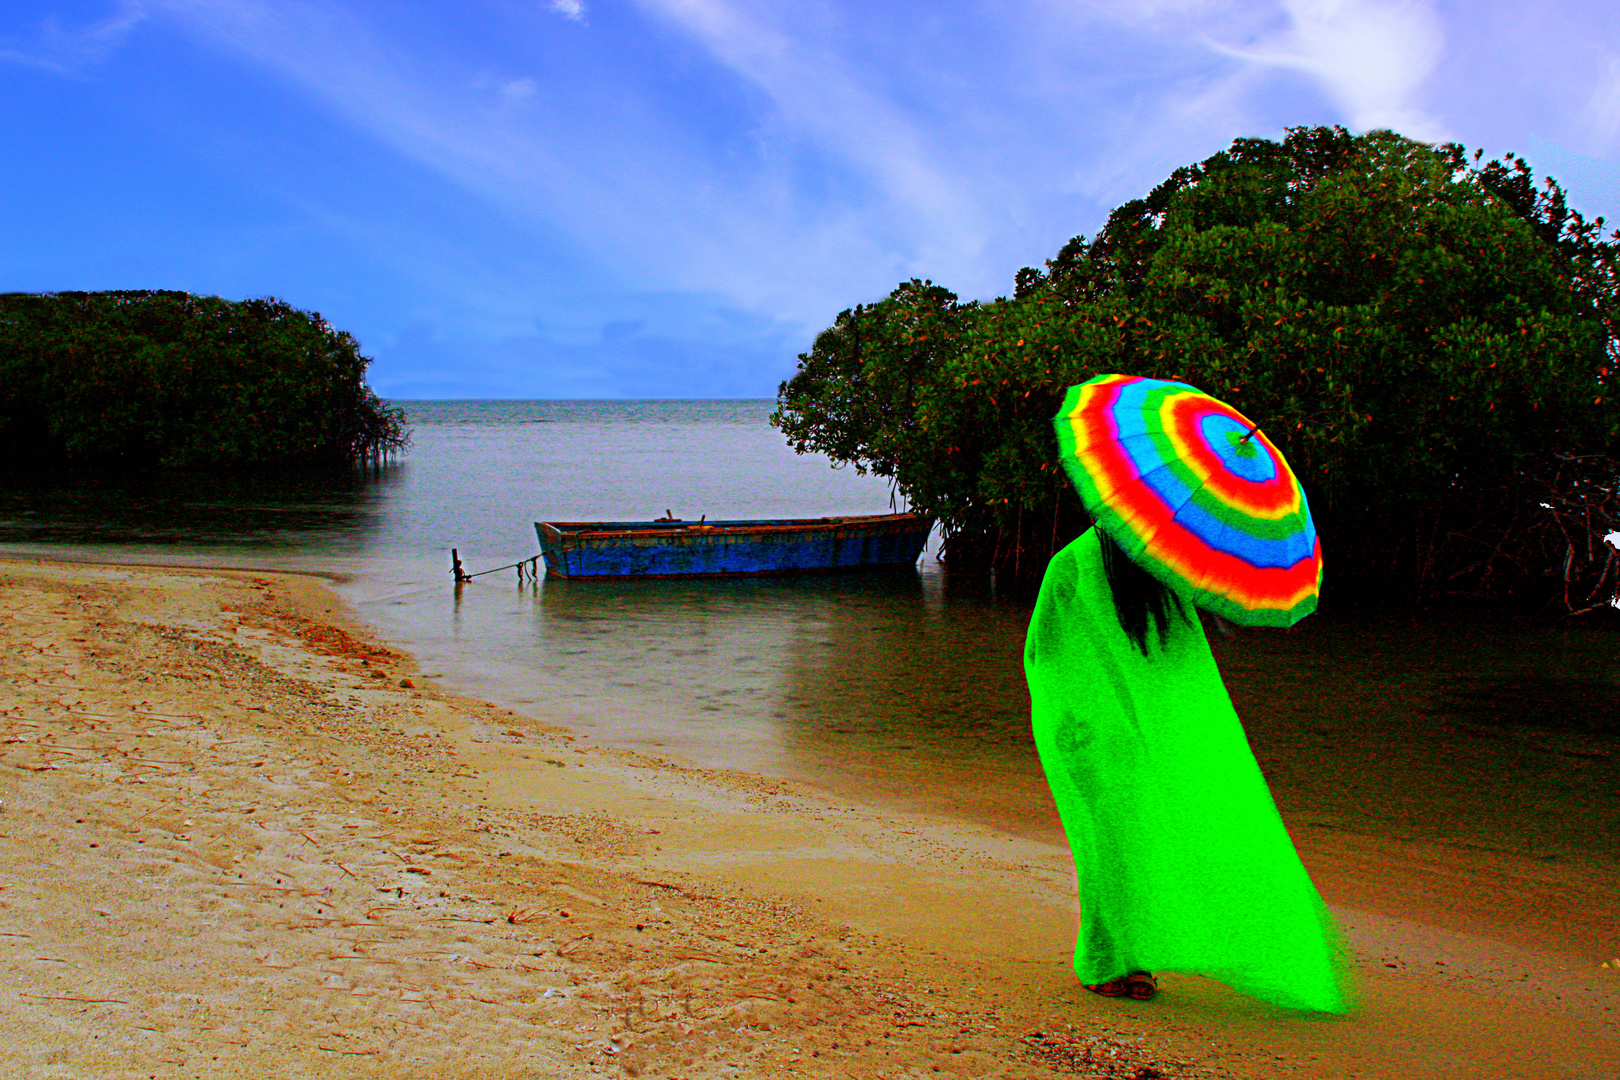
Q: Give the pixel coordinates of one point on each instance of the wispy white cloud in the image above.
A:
(1150, 11)
(957, 177)
(569, 9)
(1602, 112)
(522, 92)
(519, 89)
(640, 197)
(821, 99)
(1148, 138)
(64, 49)
(1371, 57)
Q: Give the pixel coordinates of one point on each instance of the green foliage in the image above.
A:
(1416, 332)
(173, 380)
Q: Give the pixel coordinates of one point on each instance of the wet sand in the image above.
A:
(240, 837)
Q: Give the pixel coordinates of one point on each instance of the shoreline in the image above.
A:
(393, 877)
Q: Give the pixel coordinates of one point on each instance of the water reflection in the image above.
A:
(1480, 731)
(920, 704)
(867, 684)
(1578, 703)
(332, 510)
(706, 645)
(1485, 731)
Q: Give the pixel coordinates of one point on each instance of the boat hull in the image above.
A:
(621, 549)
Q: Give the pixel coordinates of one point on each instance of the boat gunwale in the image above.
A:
(582, 530)
(812, 571)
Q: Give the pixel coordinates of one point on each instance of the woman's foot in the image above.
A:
(1141, 985)
(1138, 986)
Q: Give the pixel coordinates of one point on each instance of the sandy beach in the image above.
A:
(240, 836)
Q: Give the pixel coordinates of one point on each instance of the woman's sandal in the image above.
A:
(1138, 986)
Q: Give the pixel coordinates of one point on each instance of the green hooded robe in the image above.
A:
(1182, 859)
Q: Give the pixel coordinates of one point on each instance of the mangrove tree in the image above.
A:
(172, 380)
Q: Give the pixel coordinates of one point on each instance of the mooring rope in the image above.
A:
(461, 575)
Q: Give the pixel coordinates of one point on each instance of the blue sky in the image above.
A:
(668, 198)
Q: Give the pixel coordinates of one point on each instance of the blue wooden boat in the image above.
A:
(675, 548)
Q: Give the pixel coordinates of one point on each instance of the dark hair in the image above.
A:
(1137, 595)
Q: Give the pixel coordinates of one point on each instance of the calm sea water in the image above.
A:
(900, 687)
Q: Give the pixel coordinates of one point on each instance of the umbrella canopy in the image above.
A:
(1195, 494)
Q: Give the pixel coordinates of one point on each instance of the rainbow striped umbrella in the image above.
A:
(1195, 494)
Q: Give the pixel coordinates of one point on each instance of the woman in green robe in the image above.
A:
(1182, 861)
